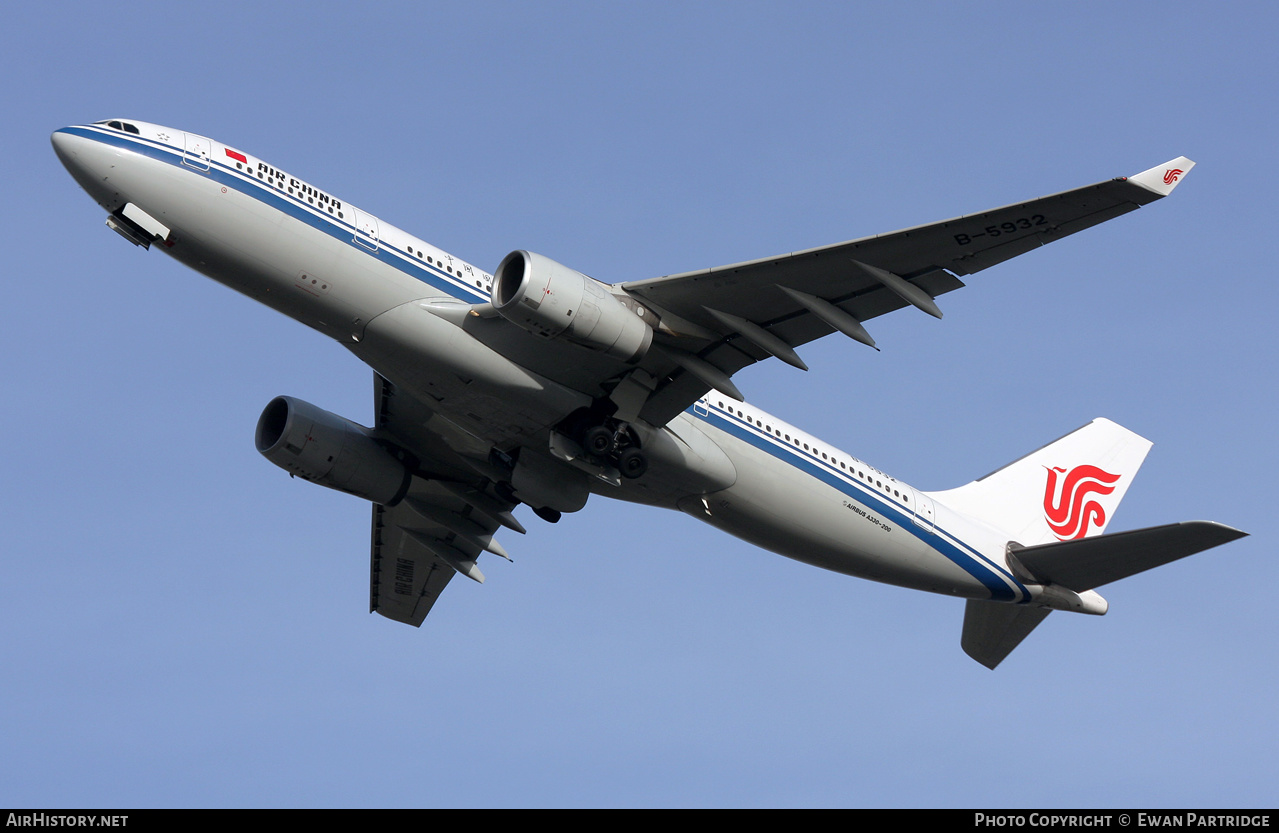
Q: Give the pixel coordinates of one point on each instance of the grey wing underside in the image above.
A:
(732, 316)
(405, 577)
(442, 525)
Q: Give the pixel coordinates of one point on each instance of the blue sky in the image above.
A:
(186, 626)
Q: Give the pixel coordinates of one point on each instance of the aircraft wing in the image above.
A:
(732, 316)
(405, 578)
(440, 527)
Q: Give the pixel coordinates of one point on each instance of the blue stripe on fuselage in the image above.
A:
(292, 206)
(991, 576)
(995, 579)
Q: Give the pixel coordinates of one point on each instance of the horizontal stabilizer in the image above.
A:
(1091, 562)
(993, 629)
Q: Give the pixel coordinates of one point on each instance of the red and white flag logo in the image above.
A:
(1069, 509)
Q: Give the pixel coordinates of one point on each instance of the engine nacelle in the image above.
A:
(326, 449)
(553, 301)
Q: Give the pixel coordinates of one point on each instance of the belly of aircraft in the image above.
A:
(784, 510)
(392, 322)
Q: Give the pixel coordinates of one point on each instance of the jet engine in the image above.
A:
(322, 447)
(553, 301)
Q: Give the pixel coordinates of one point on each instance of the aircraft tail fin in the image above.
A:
(993, 629)
(1065, 490)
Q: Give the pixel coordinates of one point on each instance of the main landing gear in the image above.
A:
(618, 446)
(607, 441)
(592, 441)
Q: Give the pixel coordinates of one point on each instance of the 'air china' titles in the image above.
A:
(299, 187)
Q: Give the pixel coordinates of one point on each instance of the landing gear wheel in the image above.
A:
(632, 463)
(598, 441)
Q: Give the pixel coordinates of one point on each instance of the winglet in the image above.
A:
(1161, 179)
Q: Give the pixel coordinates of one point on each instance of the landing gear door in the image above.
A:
(197, 152)
(925, 514)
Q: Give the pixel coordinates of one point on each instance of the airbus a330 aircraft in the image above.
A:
(539, 385)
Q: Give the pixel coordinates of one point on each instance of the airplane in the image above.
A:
(538, 385)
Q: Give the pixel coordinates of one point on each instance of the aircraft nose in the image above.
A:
(63, 145)
(88, 162)
(75, 153)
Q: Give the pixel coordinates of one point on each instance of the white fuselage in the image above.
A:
(400, 305)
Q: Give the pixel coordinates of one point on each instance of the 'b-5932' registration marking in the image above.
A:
(1009, 227)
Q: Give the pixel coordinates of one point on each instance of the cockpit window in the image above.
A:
(120, 125)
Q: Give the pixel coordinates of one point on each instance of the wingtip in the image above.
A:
(1161, 179)
(1224, 532)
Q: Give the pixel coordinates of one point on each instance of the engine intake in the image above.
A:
(553, 301)
(322, 447)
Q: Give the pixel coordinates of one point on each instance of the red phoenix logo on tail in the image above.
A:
(1171, 175)
(1068, 509)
